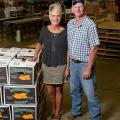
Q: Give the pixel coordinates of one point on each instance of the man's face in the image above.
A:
(78, 10)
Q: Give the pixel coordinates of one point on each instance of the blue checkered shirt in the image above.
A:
(81, 38)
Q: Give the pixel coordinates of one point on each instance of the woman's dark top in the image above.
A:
(55, 47)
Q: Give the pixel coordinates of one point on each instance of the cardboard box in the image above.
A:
(5, 113)
(14, 50)
(6, 56)
(4, 50)
(13, 12)
(24, 112)
(22, 71)
(19, 94)
(8, 53)
(1, 101)
(4, 71)
(3, 54)
(26, 53)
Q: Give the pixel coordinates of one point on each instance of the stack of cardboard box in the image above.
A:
(18, 86)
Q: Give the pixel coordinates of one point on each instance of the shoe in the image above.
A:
(76, 116)
(57, 117)
(51, 116)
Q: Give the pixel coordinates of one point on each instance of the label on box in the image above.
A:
(5, 113)
(21, 75)
(20, 94)
(26, 53)
(24, 112)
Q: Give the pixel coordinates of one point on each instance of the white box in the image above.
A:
(9, 53)
(4, 71)
(24, 112)
(6, 56)
(3, 53)
(14, 50)
(26, 53)
(5, 113)
(4, 50)
(22, 72)
(19, 94)
(1, 101)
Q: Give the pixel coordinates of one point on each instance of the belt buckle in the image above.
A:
(76, 61)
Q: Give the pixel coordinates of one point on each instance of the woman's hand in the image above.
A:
(67, 73)
(34, 58)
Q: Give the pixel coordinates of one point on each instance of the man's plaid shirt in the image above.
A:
(81, 38)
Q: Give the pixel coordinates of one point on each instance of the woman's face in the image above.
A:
(55, 17)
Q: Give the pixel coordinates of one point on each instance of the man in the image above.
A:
(82, 42)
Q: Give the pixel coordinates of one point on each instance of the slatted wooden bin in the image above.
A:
(109, 34)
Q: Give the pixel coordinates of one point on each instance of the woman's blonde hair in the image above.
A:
(56, 6)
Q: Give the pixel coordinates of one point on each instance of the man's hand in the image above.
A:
(88, 69)
(87, 73)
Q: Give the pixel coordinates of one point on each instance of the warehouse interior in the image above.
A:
(20, 23)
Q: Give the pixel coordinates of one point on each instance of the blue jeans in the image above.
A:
(77, 84)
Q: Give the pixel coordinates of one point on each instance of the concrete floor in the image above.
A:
(108, 85)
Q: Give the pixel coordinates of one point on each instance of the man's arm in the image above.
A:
(92, 55)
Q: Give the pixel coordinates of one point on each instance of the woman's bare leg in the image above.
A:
(52, 96)
(59, 98)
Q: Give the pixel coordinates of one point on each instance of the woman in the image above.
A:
(54, 62)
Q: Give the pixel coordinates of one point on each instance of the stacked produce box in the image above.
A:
(18, 97)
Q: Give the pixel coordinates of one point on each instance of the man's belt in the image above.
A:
(76, 61)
